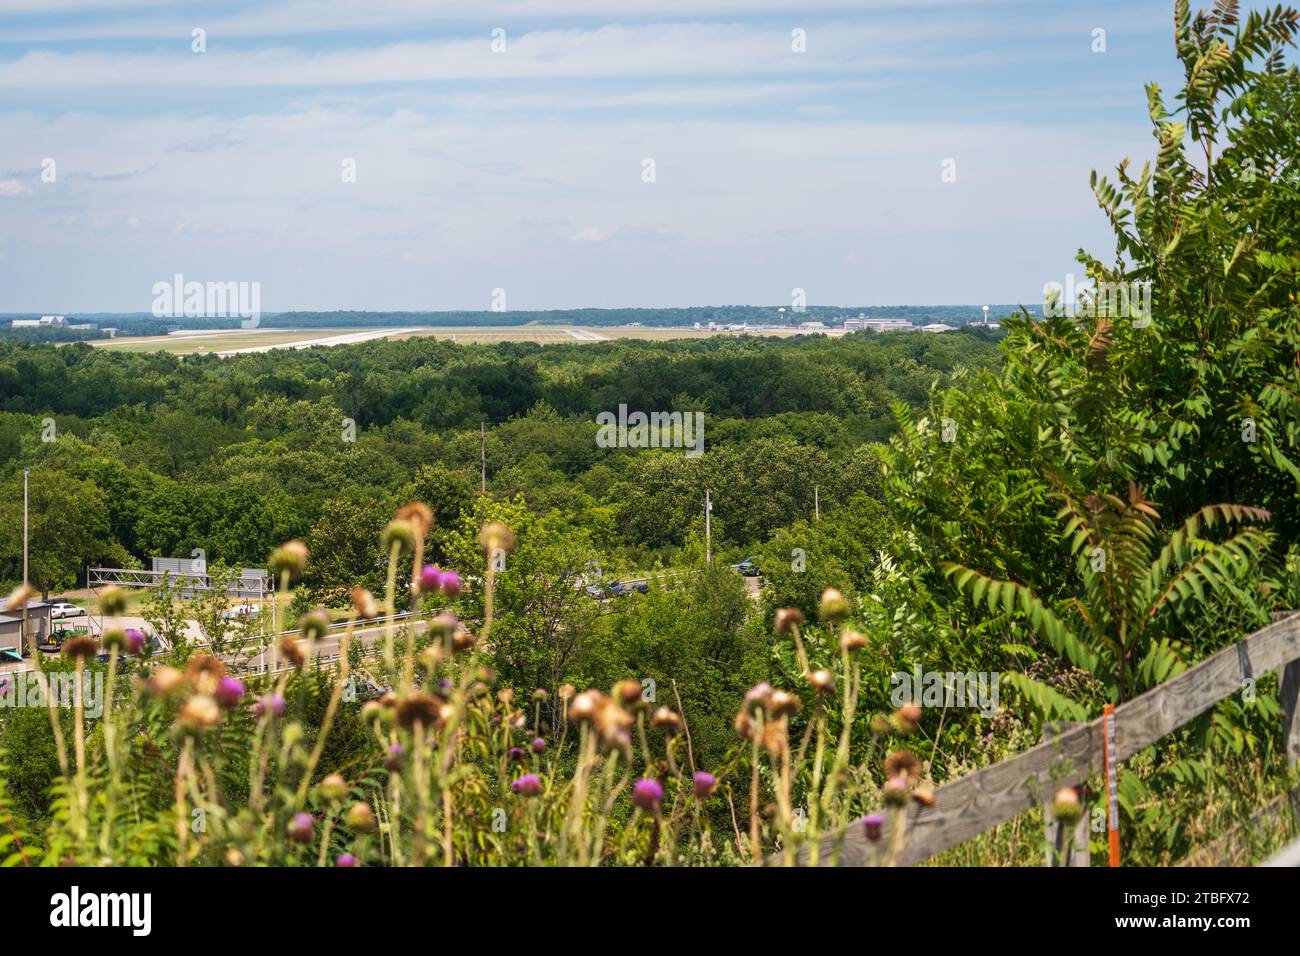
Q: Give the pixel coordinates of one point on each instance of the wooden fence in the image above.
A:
(980, 801)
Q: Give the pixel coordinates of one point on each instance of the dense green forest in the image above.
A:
(234, 456)
(1082, 509)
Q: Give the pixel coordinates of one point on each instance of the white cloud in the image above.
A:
(656, 50)
(10, 188)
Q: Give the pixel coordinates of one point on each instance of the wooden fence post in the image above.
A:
(1290, 691)
(1065, 847)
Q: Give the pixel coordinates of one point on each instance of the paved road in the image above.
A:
(328, 647)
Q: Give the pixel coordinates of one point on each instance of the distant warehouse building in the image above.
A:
(886, 325)
(38, 624)
(50, 322)
(44, 322)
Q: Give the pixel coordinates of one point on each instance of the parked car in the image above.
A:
(62, 609)
(612, 589)
(9, 655)
(748, 567)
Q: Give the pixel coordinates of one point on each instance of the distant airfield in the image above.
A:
(240, 341)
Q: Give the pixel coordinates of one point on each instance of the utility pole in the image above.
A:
(23, 627)
(817, 504)
(708, 528)
(482, 453)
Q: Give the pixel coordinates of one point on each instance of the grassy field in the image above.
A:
(238, 340)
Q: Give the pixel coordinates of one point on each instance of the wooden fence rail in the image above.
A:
(980, 801)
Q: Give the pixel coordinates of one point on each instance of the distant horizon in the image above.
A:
(978, 309)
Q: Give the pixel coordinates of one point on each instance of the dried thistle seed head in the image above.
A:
(506, 695)
(432, 656)
(315, 625)
(823, 681)
(291, 651)
(19, 597)
(566, 692)
(666, 719)
(418, 708)
(112, 600)
(584, 706)
(363, 602)
(783, 703)
(833, 607)
(787, 619)
(744, 724)
(1066, 807)
(200, 712)
(540, 696)
(852, 641)
(904, 721)
(80, 648)
(496, 536)
(418, 515)
(774, 736)
(903, 762)
(398, 535)
(613, 725)
(628, 692)
(204, 673)
(163, 681)
(290, 558)
(462, 640)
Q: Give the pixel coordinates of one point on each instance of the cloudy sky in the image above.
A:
(605, 152)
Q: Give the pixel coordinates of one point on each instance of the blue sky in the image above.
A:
(523, 169)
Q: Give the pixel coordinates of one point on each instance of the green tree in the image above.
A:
(68, 528)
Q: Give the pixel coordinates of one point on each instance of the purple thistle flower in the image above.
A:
(301, 827)
(394, 759)
(648, 794)
(704, 784)
(134, 640)
(230, 691)
(449, 583)
(872, 824)
(539, 745)
(516, 753)
(430, 578)
(272, 704)
(529, 785)
(346, 860)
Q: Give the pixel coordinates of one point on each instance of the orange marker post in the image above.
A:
(1112, 784)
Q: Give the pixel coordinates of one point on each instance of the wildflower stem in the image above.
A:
(330, 710)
